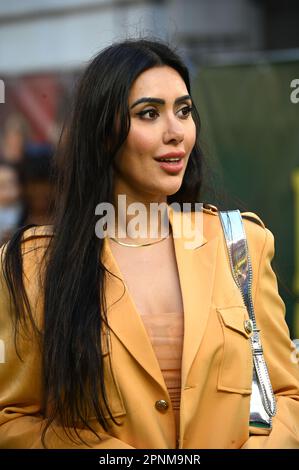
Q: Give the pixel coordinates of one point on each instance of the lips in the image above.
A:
(174, 157)
(171, 164)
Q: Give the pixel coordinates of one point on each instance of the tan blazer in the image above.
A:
(216, 362)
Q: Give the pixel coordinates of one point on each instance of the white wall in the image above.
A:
(39, 35)
(65, 37)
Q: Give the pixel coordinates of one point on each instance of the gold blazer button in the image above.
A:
(248, 326)
(161, 405)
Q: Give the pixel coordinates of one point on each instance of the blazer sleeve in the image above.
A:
(280, 356)
(21, 420)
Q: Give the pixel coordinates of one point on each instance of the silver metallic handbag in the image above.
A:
(262, 402)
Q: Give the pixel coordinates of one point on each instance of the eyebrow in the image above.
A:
(148, 99)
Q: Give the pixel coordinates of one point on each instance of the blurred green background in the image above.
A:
(250, 131)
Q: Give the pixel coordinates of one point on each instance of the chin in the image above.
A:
(171, 188)
(167, 187)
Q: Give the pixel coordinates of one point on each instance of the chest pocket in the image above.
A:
(114, 397)
(236, 367)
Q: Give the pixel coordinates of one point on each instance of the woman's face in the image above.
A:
(160, 124)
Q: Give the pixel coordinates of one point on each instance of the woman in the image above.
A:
(126, 346)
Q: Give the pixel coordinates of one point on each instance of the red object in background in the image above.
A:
(40, 99)
(36, 98)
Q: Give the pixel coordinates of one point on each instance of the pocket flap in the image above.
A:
(235, 318)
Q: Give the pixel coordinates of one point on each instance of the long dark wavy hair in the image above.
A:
(74, 294)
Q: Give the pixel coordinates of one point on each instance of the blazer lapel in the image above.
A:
(196, 268)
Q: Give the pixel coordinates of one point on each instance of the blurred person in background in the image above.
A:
(37, 184)
(11, 204)
(13, 140)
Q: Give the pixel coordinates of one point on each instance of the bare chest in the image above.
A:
(151, 276)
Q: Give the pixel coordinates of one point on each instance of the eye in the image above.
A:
(186, 111)
(151, 112)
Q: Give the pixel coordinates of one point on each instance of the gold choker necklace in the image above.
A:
(137, 246)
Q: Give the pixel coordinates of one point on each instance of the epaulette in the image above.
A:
(39, 231)
(210, 209)
(253, 217)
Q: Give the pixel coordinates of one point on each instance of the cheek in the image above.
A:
(141, 141)
(191, 135)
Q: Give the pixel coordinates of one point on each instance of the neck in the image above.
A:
(140, 221)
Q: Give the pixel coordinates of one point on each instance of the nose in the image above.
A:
(174, 131)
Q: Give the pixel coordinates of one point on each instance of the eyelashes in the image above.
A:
(145, 112)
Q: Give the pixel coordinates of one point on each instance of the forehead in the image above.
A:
(158, 82)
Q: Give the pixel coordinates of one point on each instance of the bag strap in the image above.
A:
(262, 392)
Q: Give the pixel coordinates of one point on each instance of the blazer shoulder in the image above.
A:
(32, 237)
(36, 237)
(213, 210)
(253, 218)
(254, 227)
(255, 230)
(40, 231)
